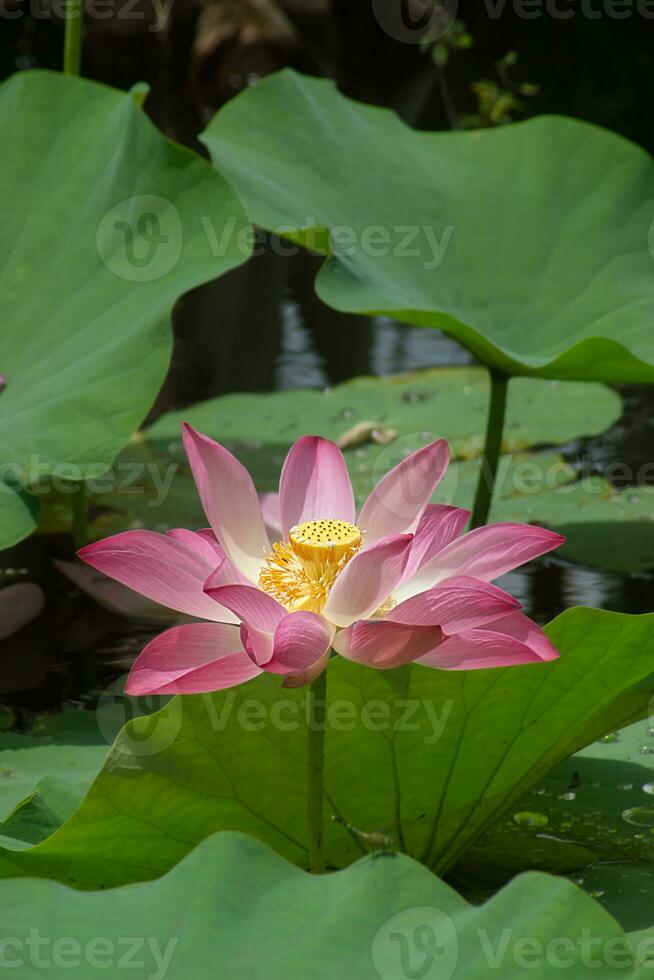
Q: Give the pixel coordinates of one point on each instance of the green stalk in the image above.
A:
(78, 505)
(492, 449)
(316, 714)
(73, 37)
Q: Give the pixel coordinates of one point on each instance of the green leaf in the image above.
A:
(234, 907)
(444, 756)
(104, 225)
(596, 813)
(612, 808)
(45, 775)
(19, 514)
(527, 243)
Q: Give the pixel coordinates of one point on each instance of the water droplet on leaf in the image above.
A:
(639, 816)
(528, 819)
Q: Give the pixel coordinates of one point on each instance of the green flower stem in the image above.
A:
(78, 506)
(316, 714)
(73, 37)
(492, 449)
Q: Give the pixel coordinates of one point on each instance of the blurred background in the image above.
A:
(492, 67)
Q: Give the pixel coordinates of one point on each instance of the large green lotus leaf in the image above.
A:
(44, 775)
(527, 243)
(104, 225)
(421, 760)
(232, 908)
(605, 793)
(593, 814)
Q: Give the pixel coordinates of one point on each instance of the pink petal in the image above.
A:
(438, 526)
(485, 553)
(229, 500)
(314, 484)
(367, 580)
(398, 501)
(258, 644)
(383, 644)
(457, 604)
(160, 568)
(204, 542)
(521, 628)
(191, 659)
(112, 595)
(19, 605)
(301, 640)
(306, 676)
(254, 608)
(505, 643)
(272, 515)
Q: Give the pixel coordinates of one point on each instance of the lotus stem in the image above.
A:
(492, 449)
(73, 37)
(316, 714)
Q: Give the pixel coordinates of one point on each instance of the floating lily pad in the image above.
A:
(605, 527)
(530, 243)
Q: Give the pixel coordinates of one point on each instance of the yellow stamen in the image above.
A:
(299, 573)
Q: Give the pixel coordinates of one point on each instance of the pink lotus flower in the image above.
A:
(396, 584)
